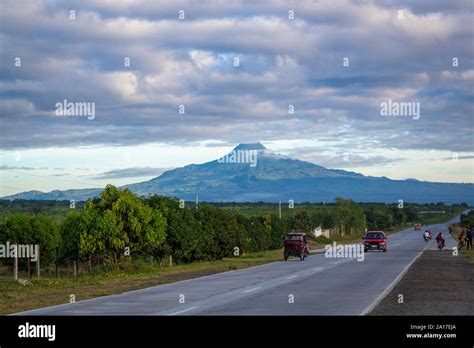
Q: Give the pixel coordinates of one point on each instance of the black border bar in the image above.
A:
(240, 330)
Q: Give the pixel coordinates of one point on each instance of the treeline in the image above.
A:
(384, 216)
(346, 218)
(56, 209)
(467, 220)
(119, 224)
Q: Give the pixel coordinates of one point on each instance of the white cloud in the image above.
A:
(202, 59)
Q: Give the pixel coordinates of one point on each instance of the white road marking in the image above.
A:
(184, 310)
(250, 290)
(315, 269)
(336, 262)
(291, 277)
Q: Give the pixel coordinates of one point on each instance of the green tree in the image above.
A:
(467, 220)
(46, 235)
(349, 216)
(34, 230)
(118, 219)
(302, 221)
(70, 233)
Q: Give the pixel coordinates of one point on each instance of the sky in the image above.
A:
(172, 83)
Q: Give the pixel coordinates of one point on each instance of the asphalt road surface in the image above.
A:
(316, 286)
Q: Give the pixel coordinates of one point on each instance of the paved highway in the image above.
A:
(316, 286)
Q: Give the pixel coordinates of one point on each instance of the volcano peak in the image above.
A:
(250, 146)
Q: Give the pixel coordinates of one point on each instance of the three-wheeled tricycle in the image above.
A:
(296, 245)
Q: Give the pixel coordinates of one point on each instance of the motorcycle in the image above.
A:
(441, 244)
(426, 236)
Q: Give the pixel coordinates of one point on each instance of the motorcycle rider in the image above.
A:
(426, 235)
(440, 239)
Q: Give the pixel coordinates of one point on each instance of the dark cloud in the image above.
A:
(457, 157)
(346, 159)
(131, 173)
(5, 167)
(357, 161)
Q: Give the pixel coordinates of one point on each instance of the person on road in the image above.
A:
(305, 241)
(440, 239)
(427, 234)
(469, 239)
(461, 240)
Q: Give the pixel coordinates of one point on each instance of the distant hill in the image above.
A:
(57, 195)
(252, 173)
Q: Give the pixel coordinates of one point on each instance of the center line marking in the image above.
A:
(291, 277)
(250, 290)
(184, 310)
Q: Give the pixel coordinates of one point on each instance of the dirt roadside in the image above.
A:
(438, 283)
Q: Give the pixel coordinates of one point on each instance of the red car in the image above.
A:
(375, 240)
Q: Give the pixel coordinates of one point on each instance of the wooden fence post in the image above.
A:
(15, 265)
(38, 263)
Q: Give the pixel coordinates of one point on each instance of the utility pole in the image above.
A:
(279, 209)
(197, 201)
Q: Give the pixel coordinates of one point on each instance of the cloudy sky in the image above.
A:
(234, 69)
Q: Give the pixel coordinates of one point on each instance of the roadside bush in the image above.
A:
(323, 240)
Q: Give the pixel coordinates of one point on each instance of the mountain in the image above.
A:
(251, 172)
(57, 195)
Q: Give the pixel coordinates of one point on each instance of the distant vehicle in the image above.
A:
(375, 240)
(295, 245)
(417, 227)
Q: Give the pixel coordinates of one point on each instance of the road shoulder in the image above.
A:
(438, 283)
